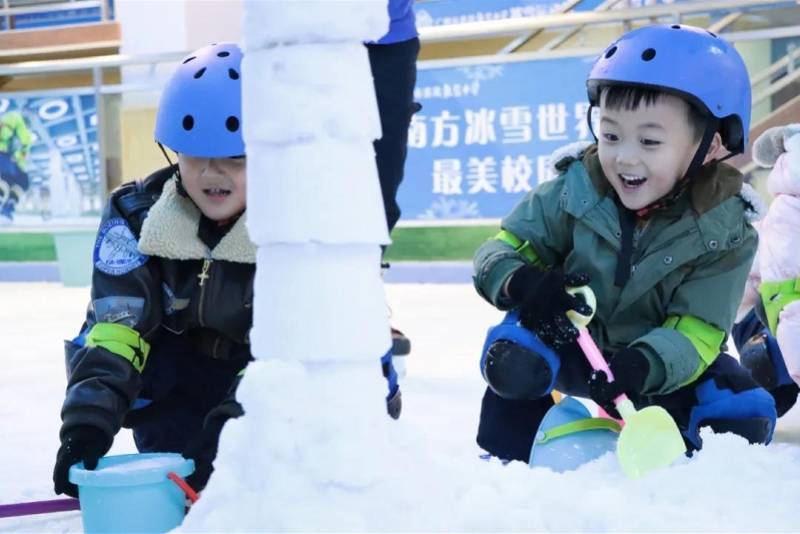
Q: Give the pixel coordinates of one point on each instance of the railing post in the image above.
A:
(8, 15)
(97, 82)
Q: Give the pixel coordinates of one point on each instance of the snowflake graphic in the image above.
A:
(451, 208)
(478, 73)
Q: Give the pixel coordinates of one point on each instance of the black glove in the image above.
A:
(543, 302)
(394, 404)
(630, 368)
(203, 449)
(85, 444)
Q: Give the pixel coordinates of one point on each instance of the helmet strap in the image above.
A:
(589, 121)
(179, 185)
(712, 125)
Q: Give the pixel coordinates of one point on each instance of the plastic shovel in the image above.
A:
(650, 439)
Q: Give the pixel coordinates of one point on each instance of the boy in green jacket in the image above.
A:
(658, 227)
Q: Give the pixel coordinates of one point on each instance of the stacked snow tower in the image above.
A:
(314, 398)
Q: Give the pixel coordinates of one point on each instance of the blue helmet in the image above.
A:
(200, 111)
(686, 61)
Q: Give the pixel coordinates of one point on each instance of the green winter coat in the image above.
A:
(688, 268)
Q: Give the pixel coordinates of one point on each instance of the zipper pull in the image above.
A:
(203, 276)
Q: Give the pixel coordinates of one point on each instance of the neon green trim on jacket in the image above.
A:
(523, 247)
(706, 340)
(776, 296)
(121, 340)
(13, 127)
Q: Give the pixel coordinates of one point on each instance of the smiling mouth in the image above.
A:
(217, 192)
(632, 180)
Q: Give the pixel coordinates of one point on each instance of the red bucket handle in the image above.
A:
(182, 484)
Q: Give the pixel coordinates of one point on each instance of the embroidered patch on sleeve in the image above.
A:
(116, 251)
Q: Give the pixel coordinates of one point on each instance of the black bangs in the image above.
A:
(631, 97)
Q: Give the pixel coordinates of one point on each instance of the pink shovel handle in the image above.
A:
(595, 357)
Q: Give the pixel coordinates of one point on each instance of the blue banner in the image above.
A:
(60, 17)
(485, 133)
(441, 12)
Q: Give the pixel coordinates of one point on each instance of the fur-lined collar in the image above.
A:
(755, 207)
(170, 231)
(712, 186)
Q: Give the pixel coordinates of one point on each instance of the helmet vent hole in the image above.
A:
(223, 54)
(188, 59)
(712, 34)
(648, 54)
(233, 74)
(199, 73)
(232, 123)
(188, 122)
(611, 52)
(676, 26)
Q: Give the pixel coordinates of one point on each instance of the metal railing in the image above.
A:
(521, 26)
(95, 66)
(776, 77)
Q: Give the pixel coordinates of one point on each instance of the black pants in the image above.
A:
(394, 70)
(507, 427)
(180, 387)
(12, 174)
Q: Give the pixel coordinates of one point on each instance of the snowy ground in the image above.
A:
(730, 487)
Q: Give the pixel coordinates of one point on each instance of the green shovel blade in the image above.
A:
(649, 440)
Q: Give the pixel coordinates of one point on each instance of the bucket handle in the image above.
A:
(182, 484)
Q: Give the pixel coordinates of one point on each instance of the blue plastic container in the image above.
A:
(569, 437)
(131, 493)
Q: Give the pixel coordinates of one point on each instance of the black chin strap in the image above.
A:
(712, 126)
(683, 183)
(589, 122)
(179, 186)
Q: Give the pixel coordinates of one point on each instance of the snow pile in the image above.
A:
(440, 483)
(315, 450)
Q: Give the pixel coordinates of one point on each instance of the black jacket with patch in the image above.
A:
(153, 274)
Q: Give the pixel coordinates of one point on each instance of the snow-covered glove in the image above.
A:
(630, 369)
(85, 444)
(394, 399)
(203, 449)
(543, 302)
(394, 404)
(772, 143)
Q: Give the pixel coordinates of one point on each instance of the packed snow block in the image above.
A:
(324, 444)
(322, 303)
(303, 93)
(325, 192)
(325, 21)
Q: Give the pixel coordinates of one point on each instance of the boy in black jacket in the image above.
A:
(167, 330)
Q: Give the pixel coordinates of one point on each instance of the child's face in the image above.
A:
(645, 151)
(216, 185)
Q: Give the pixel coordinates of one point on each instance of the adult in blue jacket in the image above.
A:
(393, 59)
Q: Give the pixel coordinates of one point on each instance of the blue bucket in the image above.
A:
(569, 437)
(131, 493)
